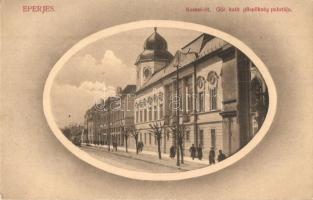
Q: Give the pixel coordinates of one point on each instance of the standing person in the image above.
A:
(115, 145)
(221, 156)
(212, 156)
(172, 152)
(192, 151)
(200, 152)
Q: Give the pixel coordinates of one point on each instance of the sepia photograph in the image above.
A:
(159, 100)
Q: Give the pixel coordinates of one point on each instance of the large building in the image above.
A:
(217, 84)
(222, 98)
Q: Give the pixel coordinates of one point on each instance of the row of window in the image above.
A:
(147, 114)
(213, 100)
(144, 138)
(213, 138)
(189, 96)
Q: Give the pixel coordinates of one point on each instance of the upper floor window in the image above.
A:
(213, 82)
(145, 115)
(147, 72)
(201, 102)
(213, 98)
(161, 111)
(140, 115)
(155, 113)
(189, 95)
(150, 113)
(137, 116)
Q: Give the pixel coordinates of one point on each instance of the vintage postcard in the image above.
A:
(156, 100)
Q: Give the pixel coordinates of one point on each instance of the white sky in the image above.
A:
(96, 70)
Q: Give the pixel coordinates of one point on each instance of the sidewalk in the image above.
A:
(152, 158)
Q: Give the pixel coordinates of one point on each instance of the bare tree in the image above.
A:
(181, 138)
(134, 133)
(126, 136)
(157, 130)
(125, 133)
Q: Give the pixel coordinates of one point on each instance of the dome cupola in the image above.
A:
(155, 42)
(155, 49)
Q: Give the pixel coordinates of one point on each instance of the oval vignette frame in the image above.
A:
(161, 176)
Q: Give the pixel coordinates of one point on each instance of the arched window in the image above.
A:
(213, 80)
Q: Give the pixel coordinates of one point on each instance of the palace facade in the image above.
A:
(221, 97)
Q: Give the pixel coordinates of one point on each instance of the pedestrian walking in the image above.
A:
(172, 152)
(115, 146)
(221, 156)
(200, 152)
(140, 146)
(212, 156)
(192, 151)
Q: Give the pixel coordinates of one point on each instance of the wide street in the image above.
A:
(141, 162)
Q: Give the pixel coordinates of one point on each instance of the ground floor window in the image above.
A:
(188, 136)
(201, 138)
(213, 138)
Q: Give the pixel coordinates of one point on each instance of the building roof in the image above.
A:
(129, 89)
(202, 46)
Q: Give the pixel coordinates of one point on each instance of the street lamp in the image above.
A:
(176, 63)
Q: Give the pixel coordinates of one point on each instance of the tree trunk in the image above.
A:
(181, 152)
(109, 142)
(136, 141)
(126, 145)
(159, 148)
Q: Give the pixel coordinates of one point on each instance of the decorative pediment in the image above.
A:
(212, 79)
(200, 82)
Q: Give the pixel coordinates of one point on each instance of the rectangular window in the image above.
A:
(145, 138)
(161, 111)
(213, 99)
(201, 137)
(213, 138)
(179, 99)
(149, 138)
(201, 102)
(169, 99)
(189, 95)
(145, 115)
(140, 137)
(140, 115)
(155, 113)
(188, 136)
(155, 139)
(150, 114)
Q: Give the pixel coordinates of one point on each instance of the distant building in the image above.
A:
(104, 120)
